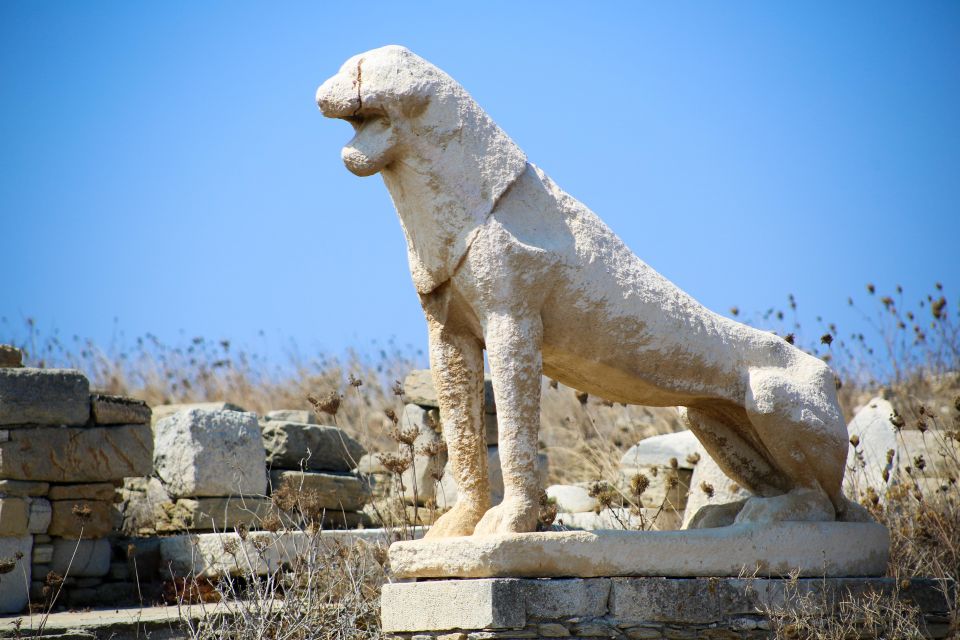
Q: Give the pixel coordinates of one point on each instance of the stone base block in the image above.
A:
(622, 607)
(15, 581)
(771, 550)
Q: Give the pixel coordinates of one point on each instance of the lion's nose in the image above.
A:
(337, 98)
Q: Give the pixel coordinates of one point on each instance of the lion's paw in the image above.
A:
(459, 521)
(510, 516)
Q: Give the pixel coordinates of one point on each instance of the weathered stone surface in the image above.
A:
(867, 463)
(370, 464)
(811, 548)
(209, 554)
(200, 453)
(14, 514)
(648, 519)
(43, 397)
(15, 586)
(418, 389)
(162, 411)
(478, 215)
(430, 454)
(571, 498)
(939, 454)
(91, 454)
(42, 553)
(86, 519)
(710, 487)
(23, 488)
(140, 500)
(327, 490)
(41, 513)
(90, 558)
(656, 451)
(108, 409)
(210, 514)
(10, 356)
(447, 489)
(87, 491)
(290, 445)
(442, 605)
(301, 416)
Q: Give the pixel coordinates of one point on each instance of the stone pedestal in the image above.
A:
(631, 608)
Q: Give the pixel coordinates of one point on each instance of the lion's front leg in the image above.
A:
(456, 360)
(513, 348)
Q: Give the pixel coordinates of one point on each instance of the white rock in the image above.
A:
(725, 490)
(15, 586)
(867, 462)
(777, 549)
(426, 468)
(656, 451)
(447, 490)
(40, 515)
(210, 453)
(571, 498)
(293, 415)
(162, 411)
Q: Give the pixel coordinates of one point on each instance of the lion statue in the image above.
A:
(505, 260)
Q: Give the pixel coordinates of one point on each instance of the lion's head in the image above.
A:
(444, 161)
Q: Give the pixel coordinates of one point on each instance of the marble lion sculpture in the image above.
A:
(505, 260)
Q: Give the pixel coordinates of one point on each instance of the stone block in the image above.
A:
(118, 410)
(301, 416)
(162, 411)
(571, 498)
(211, 514)
(10, 356)
(92, 454)
(81, 558)
(85, 519)
(444, 605)
(620, 518)
(43, 397)
(200, 453)
(41, 513)
(87, 491)
(290, 445)
(22, 488)
(418, 389)
(779, 548)
(42, 553)
(326, 490)
(656, 451)
(707, 474)
(15, 585)
(14, 514)
(447, 488)
(430, 454)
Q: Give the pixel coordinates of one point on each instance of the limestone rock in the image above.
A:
(210, 453)
(81, 558)
(43, 397)
(15, 586)
(86, 519)
(90, 491)
(10, 356)
(723, 490)
(301, 416)
(571, 498)
(867, 463)
(447, 489)
(290, 445)
(41, 513)
(211, 514)
(430, 454)
(418, 389)
(42, 553)
(14, 513)
(108, 409)
(808, 548)
(327, 490)
(22, 488)
(77, 454)
(657, 451)
(162, 411)
(370, 464)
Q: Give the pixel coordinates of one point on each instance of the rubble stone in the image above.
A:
(43, 397)
(290, 445)
(77, 454)
(162, 411)
(81, 558)
(201, 453)
(327, 490)
(23, 488)
(41, 513)
(210, 514)
(85, 519)
(418, 389)
(88, 491)
(14, 514)
(108, 409)
(301, 416)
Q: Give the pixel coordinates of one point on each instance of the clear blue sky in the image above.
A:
(164, 163)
